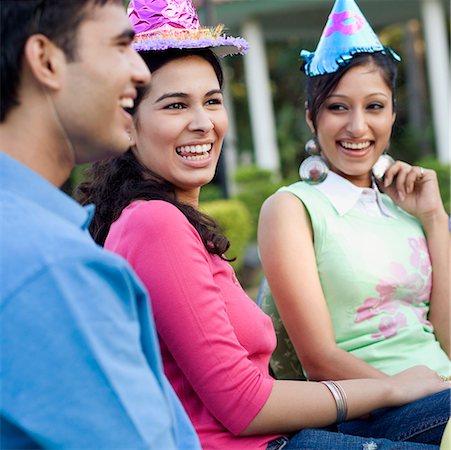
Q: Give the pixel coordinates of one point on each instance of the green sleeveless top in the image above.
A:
(375, 273)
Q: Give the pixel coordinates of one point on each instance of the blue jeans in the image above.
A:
(421, 421)
(416, 426)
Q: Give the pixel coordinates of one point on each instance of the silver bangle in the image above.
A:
(340, 398)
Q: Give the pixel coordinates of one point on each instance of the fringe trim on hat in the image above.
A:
(323, 67)
(185, 39)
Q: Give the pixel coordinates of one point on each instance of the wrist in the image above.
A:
(391, 392)
(434, 219)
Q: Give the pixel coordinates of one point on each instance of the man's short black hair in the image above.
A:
(19, 19)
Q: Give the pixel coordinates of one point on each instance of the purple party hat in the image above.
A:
(346, 33)
(173, 24)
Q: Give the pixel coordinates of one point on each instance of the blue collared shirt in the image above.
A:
(80, 362)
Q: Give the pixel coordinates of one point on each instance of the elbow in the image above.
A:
(315, 372)
(255, 427)
(442, 333)
(319, 366)
(445, 344)
(248, 431)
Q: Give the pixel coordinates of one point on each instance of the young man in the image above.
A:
(80, 365)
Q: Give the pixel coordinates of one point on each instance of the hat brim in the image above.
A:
(222, 45)
(320, 66)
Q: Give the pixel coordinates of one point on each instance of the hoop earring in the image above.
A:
(313, 169)
(381, 165)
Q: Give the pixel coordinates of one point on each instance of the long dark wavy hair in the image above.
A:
(115, 183)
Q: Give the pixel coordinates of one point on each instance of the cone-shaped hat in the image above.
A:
(166, 24)
(346, 33)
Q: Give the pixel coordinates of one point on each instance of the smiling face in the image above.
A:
(98, 83)
(354, 123)
(180, 125)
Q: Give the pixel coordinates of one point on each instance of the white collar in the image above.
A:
(344, 195)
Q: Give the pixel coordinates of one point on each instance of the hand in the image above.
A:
(414, 189)
(415, 383)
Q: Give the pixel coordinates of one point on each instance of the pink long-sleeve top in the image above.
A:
(215, 342)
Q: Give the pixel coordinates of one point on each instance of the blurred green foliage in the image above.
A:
(255, 185)
(77, 176)
(210, 192)
(235, 222)
(251, 173)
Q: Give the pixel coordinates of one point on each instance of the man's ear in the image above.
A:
(45, 60)
(308, 119)
(131, 138)
(132, 135)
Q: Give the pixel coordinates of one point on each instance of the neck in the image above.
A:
(29, 137)
(363, 181)
(189, 197)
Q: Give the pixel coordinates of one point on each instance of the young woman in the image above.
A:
(359, 268)
(215, 341)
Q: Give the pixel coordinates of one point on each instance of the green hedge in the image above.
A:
(235, 222)
(255, 185)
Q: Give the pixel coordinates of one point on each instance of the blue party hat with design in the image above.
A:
(346, 33)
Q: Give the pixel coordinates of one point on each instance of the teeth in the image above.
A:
(196, 158)
(126, 102)
(197, 149)
(196, 152)
(355, 145)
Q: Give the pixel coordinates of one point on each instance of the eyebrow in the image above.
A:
(184, 95)
(369, 95)
(128, 33)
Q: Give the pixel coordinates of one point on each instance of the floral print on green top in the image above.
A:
(402, 287)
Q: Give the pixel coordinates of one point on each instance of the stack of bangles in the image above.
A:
(340, 399)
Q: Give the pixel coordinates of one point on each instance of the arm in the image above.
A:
(78, 369)
(286, 249)
(421, 198)
(438, 239)
(294, 405)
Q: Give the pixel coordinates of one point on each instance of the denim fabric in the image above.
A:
(328, 440)
(277, 444)
(416, 426)
(421, 421)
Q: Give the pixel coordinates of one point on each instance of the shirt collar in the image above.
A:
(20, 180)
(344, 195)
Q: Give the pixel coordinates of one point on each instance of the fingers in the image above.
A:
(420, 176)
(418, 382)
(445, 378)
(415, 175)
(404, 177)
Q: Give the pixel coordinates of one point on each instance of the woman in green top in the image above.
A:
(358, 267)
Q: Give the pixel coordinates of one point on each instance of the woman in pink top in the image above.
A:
(215, 342)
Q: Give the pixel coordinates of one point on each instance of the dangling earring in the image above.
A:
(313, 169)
(382, 164)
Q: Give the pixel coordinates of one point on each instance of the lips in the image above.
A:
(194, 152)
(127, 104)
